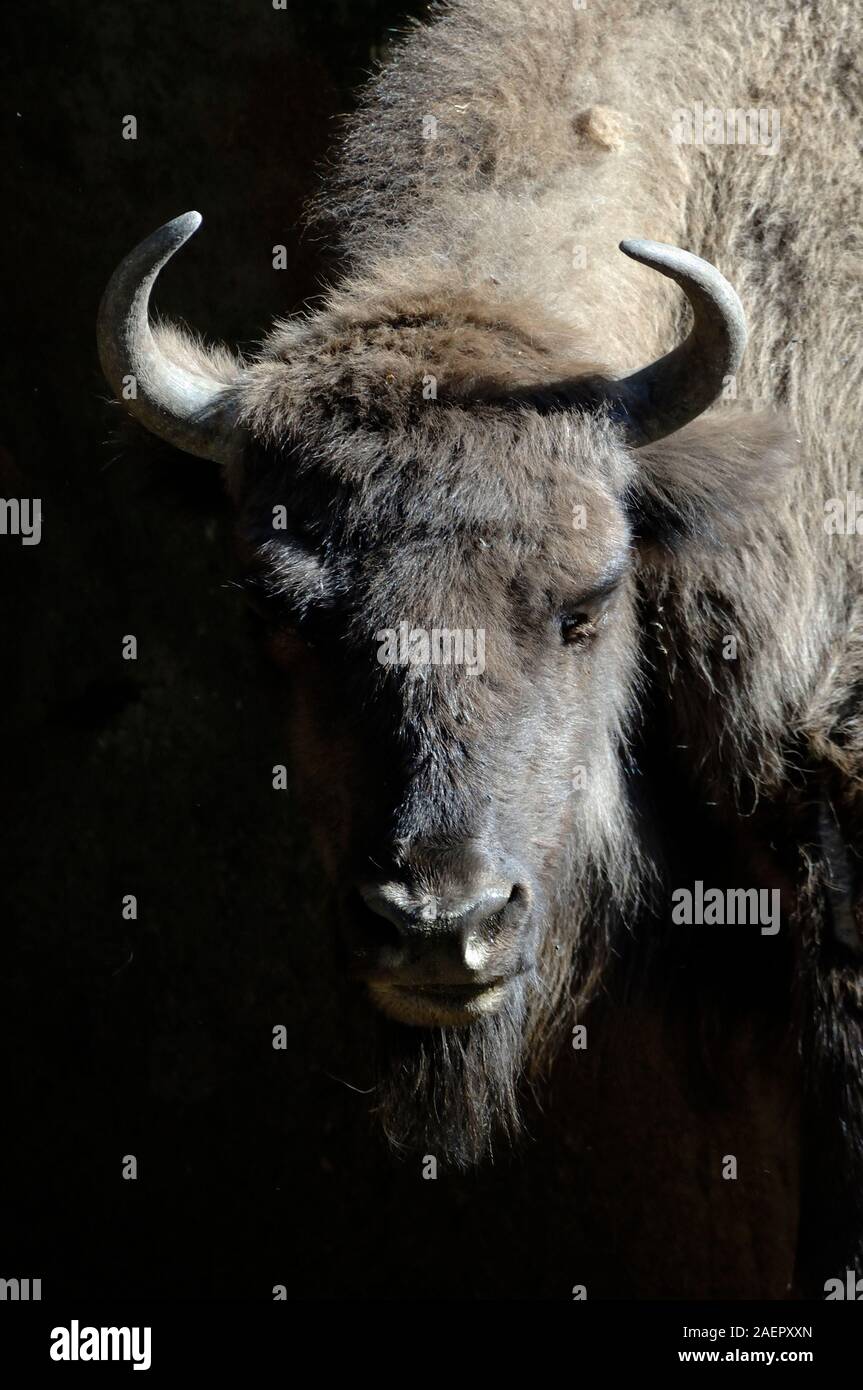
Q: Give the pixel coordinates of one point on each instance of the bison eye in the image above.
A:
(577, 628)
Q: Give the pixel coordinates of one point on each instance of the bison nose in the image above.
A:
(441, 916)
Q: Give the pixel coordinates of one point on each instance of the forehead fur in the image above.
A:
(381, 357)
(512, 496)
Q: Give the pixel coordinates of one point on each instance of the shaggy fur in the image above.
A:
(478, 198)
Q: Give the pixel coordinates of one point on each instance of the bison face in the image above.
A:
(455, 630)
(449, 581)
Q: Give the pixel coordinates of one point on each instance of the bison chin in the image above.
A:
(453, 1092)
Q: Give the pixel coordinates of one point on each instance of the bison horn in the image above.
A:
(676, 388)
(185, 404)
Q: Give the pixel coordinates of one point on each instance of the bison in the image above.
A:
(566, 585)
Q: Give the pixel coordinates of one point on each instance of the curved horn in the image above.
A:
(184, 404)
(676, 388)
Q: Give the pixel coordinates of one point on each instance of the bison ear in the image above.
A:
(709, 481)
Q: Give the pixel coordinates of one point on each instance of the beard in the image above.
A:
(456, 1093)
(453, 1093)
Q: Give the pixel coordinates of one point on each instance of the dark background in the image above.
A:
(153, 776)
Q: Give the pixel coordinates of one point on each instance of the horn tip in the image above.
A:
(187, 223)
(641, 248)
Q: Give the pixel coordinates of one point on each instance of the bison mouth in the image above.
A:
(445, 1005)
(434, 980)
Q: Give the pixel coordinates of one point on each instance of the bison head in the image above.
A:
(443, 513)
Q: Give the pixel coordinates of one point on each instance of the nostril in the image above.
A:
(489, 907)
(393, 912)
(393, 904)
(371, 929)
(493, 913)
